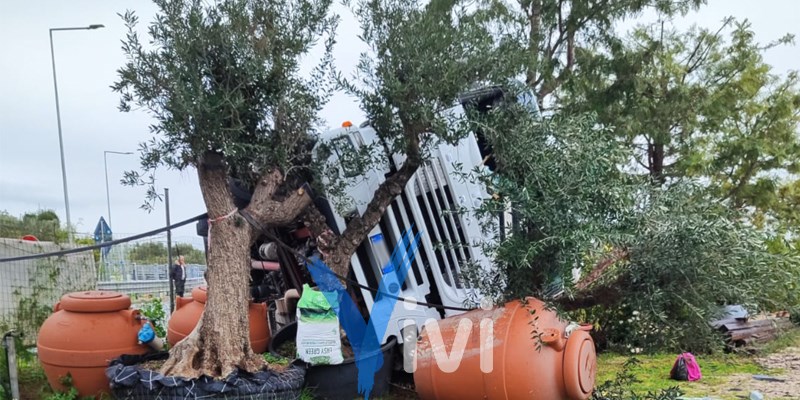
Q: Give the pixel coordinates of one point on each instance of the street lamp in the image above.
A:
(58, 117)
(105, 161)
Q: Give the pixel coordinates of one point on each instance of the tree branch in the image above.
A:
(600, 269)
(276, 213)
(534, 39)
(358, 228)
(313, 219)
(606, 295)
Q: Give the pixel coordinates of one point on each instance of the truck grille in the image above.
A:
(442, 220)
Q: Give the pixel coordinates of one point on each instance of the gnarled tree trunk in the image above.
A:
(220, 342)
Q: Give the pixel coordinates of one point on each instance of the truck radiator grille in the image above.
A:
(443, 221)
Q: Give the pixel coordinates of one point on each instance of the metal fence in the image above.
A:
(35, 274)
(30, 288)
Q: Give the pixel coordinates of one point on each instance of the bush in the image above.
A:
(154, 311)
(670, 255)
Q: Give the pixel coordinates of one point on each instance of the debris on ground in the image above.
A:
(740, 330)
(784, 383)
(768, 378)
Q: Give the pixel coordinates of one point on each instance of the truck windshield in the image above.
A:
(484, 100)
(346, 153)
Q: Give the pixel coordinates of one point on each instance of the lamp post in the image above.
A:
(105, 162)
(58, 117)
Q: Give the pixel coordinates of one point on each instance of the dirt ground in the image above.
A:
(786, 367)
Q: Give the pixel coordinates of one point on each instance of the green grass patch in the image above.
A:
(653, 371)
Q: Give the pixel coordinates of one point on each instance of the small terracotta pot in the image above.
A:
(563, 368)
(188, 312)
(85, 332)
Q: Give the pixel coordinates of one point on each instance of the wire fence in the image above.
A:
(35, 274)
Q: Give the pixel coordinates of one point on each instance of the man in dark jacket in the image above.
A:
(178, 274)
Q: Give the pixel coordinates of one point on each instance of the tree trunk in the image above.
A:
(220, 342)
(655, 154)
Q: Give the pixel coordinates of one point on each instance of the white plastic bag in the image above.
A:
(318, 340)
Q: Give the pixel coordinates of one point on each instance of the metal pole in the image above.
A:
(169, 255)
(108, 202)
(58, 119)
(11, 352)
(61, 142)
(108, 195)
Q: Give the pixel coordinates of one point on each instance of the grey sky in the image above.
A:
(30, 172)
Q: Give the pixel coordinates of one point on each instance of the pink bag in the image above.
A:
(692, 366)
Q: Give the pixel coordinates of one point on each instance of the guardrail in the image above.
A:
(154, 287)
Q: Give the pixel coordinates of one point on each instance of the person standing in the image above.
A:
(179, 275)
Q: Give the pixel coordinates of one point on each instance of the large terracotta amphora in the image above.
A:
(85, 332)
(518, 351)
(188, 312)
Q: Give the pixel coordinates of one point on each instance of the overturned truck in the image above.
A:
(436, 202)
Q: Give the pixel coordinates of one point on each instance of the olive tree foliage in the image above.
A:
(420, 57)
(653, 264)
(559, 176)
(225, 79)
(689, 255)
(222, 82)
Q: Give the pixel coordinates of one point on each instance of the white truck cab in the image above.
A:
(436, 202)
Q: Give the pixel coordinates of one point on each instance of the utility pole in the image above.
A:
(58, 118)
(169, 255)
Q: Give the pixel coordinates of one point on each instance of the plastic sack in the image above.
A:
(318, 340)
(146, 334)
(679, 371)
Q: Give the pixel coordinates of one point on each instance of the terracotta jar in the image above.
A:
(188, 311)
(86, 331)
(563, 368)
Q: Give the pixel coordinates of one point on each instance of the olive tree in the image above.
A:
(222, 83)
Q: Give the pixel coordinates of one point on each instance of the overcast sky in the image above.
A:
(86, 62)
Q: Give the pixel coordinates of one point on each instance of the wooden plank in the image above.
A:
(738, 325)
(758, 334)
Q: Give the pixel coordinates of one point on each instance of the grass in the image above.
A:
(653, 370)
(276, 361)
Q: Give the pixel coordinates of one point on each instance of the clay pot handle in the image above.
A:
(134, 316)
(553, 338)
(57, 307)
